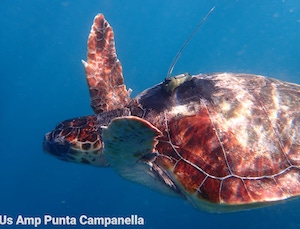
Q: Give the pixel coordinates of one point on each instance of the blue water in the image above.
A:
(42, 82)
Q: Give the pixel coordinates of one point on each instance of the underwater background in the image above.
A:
(42, 82)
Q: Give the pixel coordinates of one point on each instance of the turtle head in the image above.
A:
(77, 140)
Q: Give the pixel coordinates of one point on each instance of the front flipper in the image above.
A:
(128, 139)
(103, 69)
(130, 148)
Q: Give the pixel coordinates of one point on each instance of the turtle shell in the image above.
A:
(228, 139)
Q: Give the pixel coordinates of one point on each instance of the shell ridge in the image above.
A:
(218, 137)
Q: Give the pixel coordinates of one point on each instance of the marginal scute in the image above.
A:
(289, 181)
(189, 176)
(210, 190)
(234, 190)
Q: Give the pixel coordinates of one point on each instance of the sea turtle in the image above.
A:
(222, 141)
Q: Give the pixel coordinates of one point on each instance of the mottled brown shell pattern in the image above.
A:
(236, 143)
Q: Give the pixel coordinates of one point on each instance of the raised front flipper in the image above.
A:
(103, 69)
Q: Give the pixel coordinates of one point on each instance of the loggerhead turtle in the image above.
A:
(222, 141)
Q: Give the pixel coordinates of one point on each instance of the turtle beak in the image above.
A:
(46, 145)
(54, 147)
